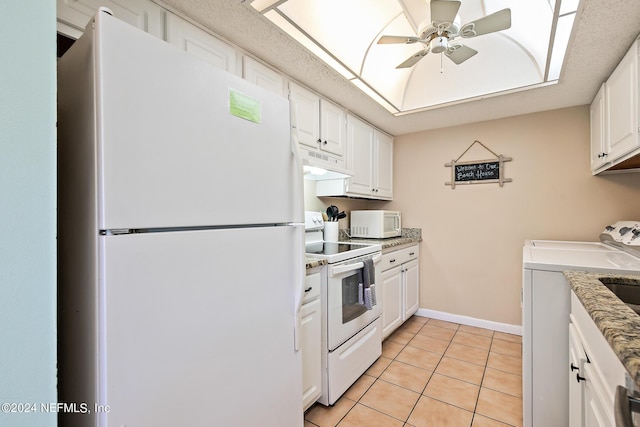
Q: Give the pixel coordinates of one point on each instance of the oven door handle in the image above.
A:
(339, 269)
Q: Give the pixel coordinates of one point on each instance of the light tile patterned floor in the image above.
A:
(434, 373)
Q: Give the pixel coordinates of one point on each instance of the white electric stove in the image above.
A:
(351, 325)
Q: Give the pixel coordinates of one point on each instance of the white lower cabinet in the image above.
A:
(310, 334)
(399, 283)
(594, 372)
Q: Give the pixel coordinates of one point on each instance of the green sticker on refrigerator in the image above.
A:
(245, 107)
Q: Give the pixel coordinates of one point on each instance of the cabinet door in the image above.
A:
(599, 149)
(262, 76)
(411, 287)
(305, 112)
(391, 300)
(73, 15)
(311, 352)
(360, 156)
(622, 102)
(383, 165)
(596, 414)
(577, 358)
(201, 44)
(333, 128)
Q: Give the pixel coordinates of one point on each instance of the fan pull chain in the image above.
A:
(441, 66)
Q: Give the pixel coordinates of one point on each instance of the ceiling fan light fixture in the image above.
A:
(439, 44)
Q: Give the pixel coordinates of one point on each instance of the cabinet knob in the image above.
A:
(319, 141)
(308, 289)
(579, 378)
(391, 261)
(325, 142)
(574, 368)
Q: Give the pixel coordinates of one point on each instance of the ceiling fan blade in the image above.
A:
(397, 39)
(460, 53)
(413, 60)
(444, 10)
(498, 21)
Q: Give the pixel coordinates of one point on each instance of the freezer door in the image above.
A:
(182, 143)
(197, 328)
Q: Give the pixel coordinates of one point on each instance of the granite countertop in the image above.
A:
(315, 262)
(409, 236)
(619, 324)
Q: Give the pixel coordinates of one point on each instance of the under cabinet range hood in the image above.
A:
(334, 187)
(317, 173)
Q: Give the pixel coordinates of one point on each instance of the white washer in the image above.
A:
(545, 320)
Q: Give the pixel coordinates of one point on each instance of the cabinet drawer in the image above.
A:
(311, 287)
(394, 258)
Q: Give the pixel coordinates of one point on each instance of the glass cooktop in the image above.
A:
(332, 248)
(335, 252)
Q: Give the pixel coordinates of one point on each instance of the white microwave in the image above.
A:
(376, 224)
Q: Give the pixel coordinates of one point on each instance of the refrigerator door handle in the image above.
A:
(300, 273)
(298, 176)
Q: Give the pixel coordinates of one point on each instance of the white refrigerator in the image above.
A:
(181, 240)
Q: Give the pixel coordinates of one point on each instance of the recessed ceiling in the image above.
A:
(345, 34)
(602, 33)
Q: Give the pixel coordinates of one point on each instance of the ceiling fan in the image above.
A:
(439, 35)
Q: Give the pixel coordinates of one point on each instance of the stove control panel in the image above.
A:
(313, 221)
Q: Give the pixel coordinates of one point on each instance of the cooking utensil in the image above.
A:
(332, 213)
(342, 215)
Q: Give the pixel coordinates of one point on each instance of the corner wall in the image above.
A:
(28, 210)
(471, 256)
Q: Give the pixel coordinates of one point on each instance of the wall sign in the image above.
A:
(478, 171)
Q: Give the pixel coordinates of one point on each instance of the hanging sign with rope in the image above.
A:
(478, 171)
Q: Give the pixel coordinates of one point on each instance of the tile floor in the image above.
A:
(437, 374)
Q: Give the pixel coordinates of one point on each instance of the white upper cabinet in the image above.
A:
(305, 107)
(73, 15)
(320, 128)
(360, 155)
(622, 102)
(195, 41)
(615, 123)
(370, 158)
(383, 165)
(599, 148)
(333, 129)
(262, 76)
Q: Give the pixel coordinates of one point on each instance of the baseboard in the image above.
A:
(470, 321)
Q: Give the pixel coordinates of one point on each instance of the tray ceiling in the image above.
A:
(509, 76)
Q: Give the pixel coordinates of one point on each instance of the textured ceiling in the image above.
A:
(602, 33)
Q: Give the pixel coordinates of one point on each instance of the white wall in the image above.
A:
(471, 256)
(27, 209)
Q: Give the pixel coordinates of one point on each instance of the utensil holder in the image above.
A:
(331, 231)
